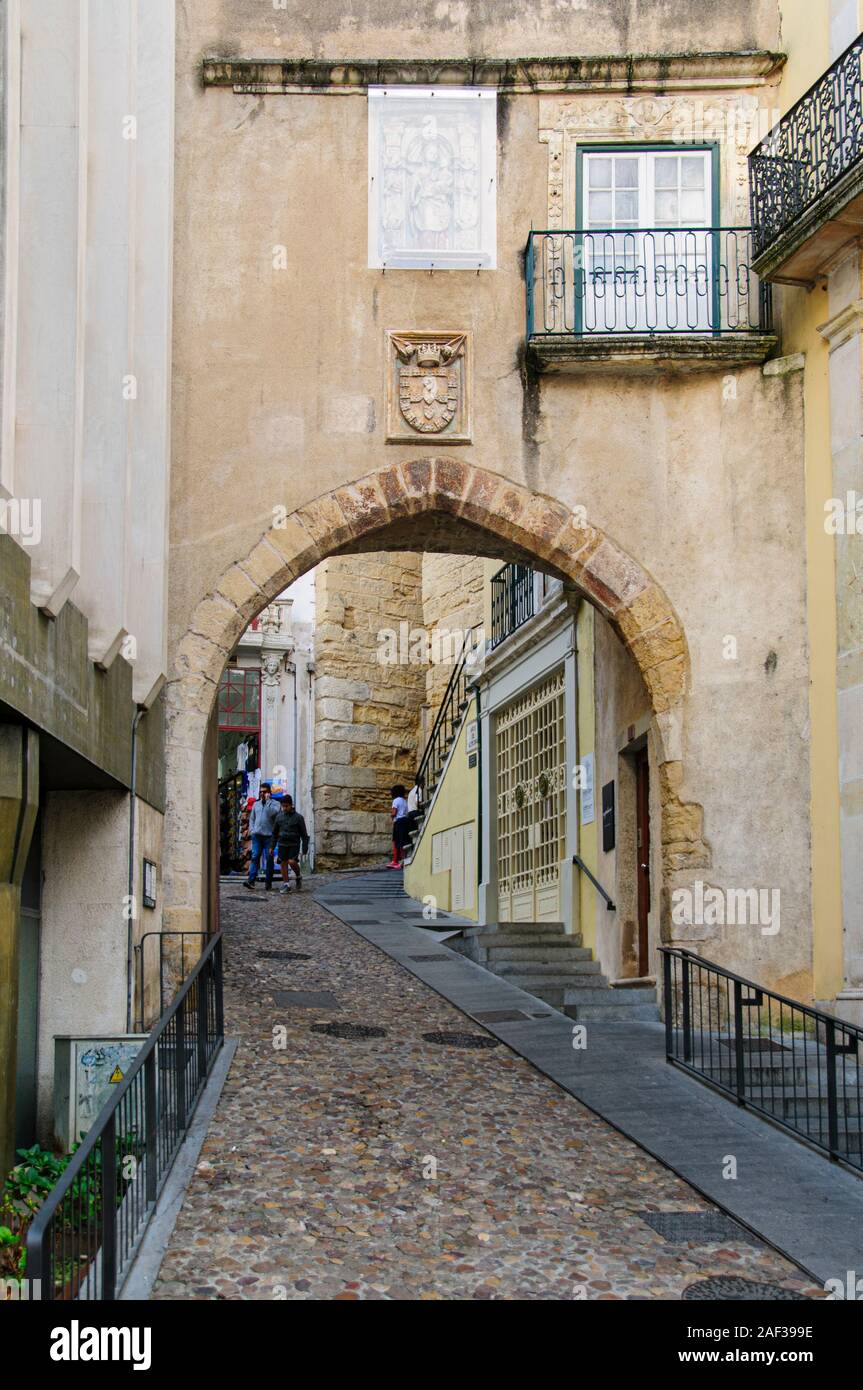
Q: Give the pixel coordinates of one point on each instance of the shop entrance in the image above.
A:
(239, 763)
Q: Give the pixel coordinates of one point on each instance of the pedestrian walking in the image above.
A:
(401, 835)
(262, 819)
(293, 839)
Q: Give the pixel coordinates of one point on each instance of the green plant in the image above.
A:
(13, 1252)
(30, 1181)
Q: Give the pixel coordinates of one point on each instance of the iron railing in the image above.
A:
(449, 716)
(809, 150)
(696, 280)
(83, 1238)
(511, 600)
(163, 959)
(797, 1065)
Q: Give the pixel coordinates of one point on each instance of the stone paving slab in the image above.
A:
(789, 1194)
(387, 1167)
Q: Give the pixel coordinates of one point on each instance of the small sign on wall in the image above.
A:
(149, 895)
(472, 736)
(588, 807)
(608, 817)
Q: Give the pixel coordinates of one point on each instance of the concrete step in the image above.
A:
(611, 998)
(587, 970)
(553, 952)
(521, 928)
(543, 978)
(612, 1013)
(509, 941)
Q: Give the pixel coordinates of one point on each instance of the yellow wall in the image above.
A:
(587, 842)
(456, 803)
(806, 40)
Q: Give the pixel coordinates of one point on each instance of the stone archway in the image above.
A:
(392, 508)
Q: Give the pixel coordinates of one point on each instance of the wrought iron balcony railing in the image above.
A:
(809, 151)
(511, 600)
(695, 280)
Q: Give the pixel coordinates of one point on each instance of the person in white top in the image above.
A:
(399, 814)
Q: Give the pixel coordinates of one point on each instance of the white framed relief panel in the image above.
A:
(432, 178)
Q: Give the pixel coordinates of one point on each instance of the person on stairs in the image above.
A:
(401, 835)
(293, 839)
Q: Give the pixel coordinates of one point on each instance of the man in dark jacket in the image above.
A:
(293, 838)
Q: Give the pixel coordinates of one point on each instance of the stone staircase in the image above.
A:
(542, 960)
(792, 1088)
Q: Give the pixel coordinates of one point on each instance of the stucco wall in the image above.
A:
(280, 394)
(456, 803)
(451, 28)
(85, 848)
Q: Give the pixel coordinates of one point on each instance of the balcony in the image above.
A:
(649, 299)
(511, 601)
(806, 178)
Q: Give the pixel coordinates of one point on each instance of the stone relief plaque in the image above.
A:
(428, 387)
(432, 178)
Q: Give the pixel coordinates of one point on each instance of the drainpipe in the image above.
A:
(294, 779)
(310, 762)
(139, 714)
(478, 793)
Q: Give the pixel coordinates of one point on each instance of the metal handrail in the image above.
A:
(445, 721)
(162, 937)
(793, 1063)
(92, 1220)
(511, 600)
(644, 281)
(610, 906)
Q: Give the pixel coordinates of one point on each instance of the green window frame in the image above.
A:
(622, 147)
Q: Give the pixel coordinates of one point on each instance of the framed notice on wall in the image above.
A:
(149, 883)
(588, 808)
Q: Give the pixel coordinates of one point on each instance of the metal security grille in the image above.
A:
(531, 803)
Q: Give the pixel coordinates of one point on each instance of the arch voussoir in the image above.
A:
(621, 589)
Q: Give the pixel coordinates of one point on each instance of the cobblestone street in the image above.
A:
(393, 1168)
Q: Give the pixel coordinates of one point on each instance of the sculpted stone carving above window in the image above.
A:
(733, 121)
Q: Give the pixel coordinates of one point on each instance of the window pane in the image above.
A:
(626, 205)
(599, 173)
(666, 207)
(692, 207)
(626, 173)
(665, 171)
(692, 171)
(599, 209)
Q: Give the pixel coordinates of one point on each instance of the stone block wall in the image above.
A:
(453, 600)
(367, 711)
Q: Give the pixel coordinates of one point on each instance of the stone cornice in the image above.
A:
(844, 325)
(628, 73)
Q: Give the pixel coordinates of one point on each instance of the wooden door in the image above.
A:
(642, 802)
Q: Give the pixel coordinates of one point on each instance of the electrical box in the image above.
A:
(85, 1072)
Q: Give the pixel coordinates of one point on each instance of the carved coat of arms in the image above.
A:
(430, 386)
